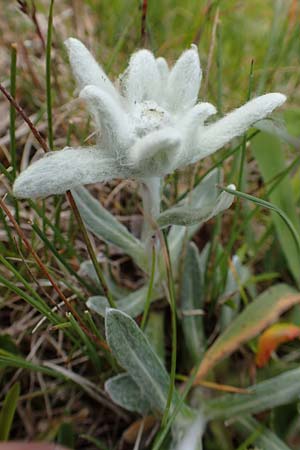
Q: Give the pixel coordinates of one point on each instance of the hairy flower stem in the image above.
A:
(150, 289)
(172, 300)
(150, 193)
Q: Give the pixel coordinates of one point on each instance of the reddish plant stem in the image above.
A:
(143, 23)
(18, 108)
(73, 206)
(48, 275)
(37, 25)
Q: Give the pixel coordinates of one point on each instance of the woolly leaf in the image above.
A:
(124, 391)
(135, 354)
(132, 304)
(260, 397)
(8, 411)
(185, 215)
(104, 225)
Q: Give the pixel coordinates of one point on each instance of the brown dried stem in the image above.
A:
(47, 274)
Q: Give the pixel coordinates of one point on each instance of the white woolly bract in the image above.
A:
(148, 129)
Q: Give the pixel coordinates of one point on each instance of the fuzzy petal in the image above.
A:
(184, 81)
(59, 171)
(142, 78)
(85, 68)
(196, 116)
(189, 124)
(110, 117)
(149, 146)
(213, 137)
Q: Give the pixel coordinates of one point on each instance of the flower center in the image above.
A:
(148, 116)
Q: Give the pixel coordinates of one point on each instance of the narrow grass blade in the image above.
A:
(264, 147)
(293, 236)
(12, 111)
(9, 360)
(90, 349)
(48, 75)
(8, 411)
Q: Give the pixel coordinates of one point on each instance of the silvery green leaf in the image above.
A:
(134, 353)
(203, 260)
(261, 397)
(124, 391)
(133, 304)
(191, 297)
(98, 304)
(206, 191)
(186, 215)
(104, 225)
(237, 275)
(266, 439)
(59, 171)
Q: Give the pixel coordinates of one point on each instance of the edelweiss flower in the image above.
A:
(148, 128)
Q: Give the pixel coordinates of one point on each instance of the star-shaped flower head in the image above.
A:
(147, 128)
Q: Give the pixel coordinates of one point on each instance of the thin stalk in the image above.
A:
(46, 273)
(91, 251)
(48, 75)
(63, 241)
(243, 152)
(275, 181)
(6, 173)
(89, 345)
(60, 258)
(272, 207)
(150, 289)
(240, 183)
(144, 23)
(7, 228)
(171, 289)
(24, 116)
(219, 69)
(178, 406)
(36, 301)
(12, 111)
